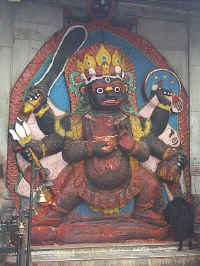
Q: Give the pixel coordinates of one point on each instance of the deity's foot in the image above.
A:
(109, 231)
(113, 230)
(43, 235)
(150, 217)
(47, 217)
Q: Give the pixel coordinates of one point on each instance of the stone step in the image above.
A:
(110, 254)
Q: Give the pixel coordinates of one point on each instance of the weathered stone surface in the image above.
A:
(5, 55)
(194, 151)
(170, 39)
(177, 60)
(114, 254)
(6, 20)
(166, 35)
(41, 14)
(194, 91)
(194, 41)
(196, 203)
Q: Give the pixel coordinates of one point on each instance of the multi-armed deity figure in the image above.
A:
(104, 191)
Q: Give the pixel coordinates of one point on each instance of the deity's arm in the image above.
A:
(49, 145)
(157, 147)
(36, 102)
(172, 160)
(159, 119)
(79, 149)
(127, 143)
(76, 150)
(48, 122)
(45, 119)
(138, 149)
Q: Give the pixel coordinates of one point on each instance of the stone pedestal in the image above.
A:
(128, 253)
(133, 254)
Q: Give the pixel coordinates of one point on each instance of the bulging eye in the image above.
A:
(99, 90)
(117, 89)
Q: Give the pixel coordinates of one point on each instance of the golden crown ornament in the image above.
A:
(103, 63)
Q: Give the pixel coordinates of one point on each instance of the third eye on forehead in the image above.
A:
(102, 84)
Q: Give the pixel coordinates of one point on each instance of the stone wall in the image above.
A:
(194, 64)
(25, 26)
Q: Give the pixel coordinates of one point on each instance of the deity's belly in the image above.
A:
(108, 172)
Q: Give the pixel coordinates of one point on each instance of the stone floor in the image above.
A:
(127, 254)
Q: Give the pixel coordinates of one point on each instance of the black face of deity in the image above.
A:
(106, 93)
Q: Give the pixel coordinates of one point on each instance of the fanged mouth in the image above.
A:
(110, 102)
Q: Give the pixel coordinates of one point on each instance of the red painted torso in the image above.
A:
(112, 170)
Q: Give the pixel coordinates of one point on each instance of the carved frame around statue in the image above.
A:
(145, 66)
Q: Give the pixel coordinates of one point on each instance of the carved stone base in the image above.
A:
(132, 254)
(120, 254)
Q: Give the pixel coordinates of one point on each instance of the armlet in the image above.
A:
(75, 132)
(137, 129)
(42, 111)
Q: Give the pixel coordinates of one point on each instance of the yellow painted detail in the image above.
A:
(116, 59)
(28, 108)
(165, 107)
(35, 158)
(43, 148)
(106, 211)
(136, 128)
(89, 62)
(58, 128)
(25, 140)
(80, 66)
(74, 133)
(76, 130)
(42, 111)
(108, 88)
(147, 127)
(30, 105)
(103, 59)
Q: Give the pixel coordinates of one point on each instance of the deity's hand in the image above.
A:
(21, 139)
(167, 97)
(164, 95)
(125, 138)
(102, 148)
(170, 169)
(181, 159)
(34, 101)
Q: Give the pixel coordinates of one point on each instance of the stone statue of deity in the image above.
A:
(95, 158)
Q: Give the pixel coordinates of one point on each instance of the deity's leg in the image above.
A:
(109, 230)
(48, 217)
(145, 223)
(148, 201)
